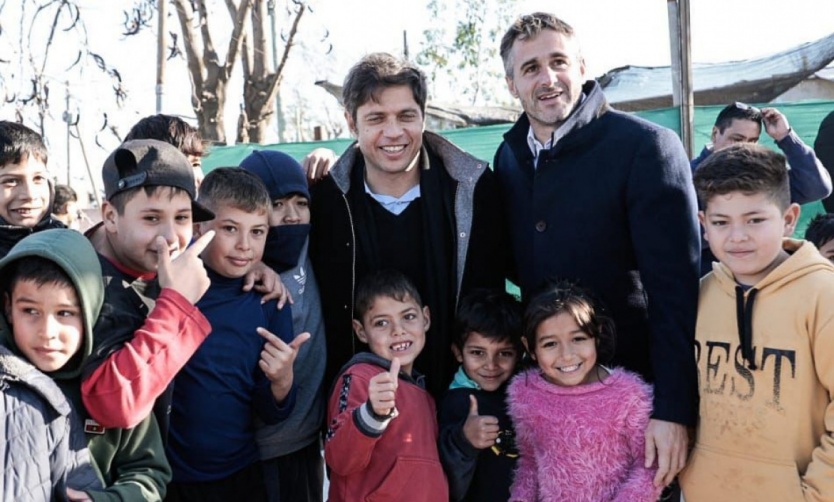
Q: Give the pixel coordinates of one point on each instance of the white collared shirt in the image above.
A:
(536, 146)
(395, 205)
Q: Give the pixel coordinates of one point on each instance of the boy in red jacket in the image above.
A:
(382, 436)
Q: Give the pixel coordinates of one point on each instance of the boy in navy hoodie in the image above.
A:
(477, 444)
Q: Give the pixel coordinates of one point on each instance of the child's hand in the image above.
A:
(382, 390)
(77, 496)
(185, 274)
(277, 359)
(480, 431)
(267, 282)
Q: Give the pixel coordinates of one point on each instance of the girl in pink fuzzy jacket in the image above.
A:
(579, 426)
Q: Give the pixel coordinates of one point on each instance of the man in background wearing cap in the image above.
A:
(148, 329)
(291, 450)
(742, 123)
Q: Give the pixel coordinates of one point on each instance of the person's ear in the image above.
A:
(458, 354)
(702, 219)
(791, 218)
(351, 124)
(360, 331)
(511, 86)
(715, 133)
(109, 216)
(427, 317)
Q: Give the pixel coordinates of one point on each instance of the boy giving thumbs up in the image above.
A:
(381, 441)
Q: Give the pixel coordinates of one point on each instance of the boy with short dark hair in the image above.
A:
(763, 341)
(381, 441)
(25, 188)
(245, 367)
(64, 206)
(477, 442)
(820, 232)
(53, 295)
(174, 130)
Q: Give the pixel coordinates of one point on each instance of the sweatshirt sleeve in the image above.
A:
(525, 487)
(639, 484)
(809, 180)
(352, 433)
(457, 454)
(138, 469)
(121, 391)
(268, 409)
(818, 481)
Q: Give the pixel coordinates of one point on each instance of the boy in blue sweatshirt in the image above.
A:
(244, 368)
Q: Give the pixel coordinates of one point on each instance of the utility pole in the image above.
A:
(405, 45)
(69, 119)
(160, 54)
(280, 123)
(682, 94)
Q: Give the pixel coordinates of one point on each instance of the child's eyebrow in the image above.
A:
(26, 299)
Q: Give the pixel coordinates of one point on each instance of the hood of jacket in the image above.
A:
(804, 259)
(75, 255)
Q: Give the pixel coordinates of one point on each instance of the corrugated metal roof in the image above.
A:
(634, 83)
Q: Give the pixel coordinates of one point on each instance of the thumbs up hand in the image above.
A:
(185, 274)
(382, 390)
(480, 430)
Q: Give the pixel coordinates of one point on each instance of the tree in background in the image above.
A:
(462, 54)
(248, 27)
(34, 67)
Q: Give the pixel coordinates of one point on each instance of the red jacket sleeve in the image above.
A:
(348, 446)
(122, 390)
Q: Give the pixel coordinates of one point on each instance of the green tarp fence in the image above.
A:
(482, 142)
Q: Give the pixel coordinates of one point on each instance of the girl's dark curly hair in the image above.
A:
(567, 297)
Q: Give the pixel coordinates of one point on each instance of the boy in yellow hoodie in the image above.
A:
(764, 341)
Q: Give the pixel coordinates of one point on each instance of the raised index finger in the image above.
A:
(200, 244)
(272, 339)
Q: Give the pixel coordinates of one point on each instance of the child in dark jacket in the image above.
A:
(26, 194)
(381, 443)
(580, 426)
(54, 293)
(477, 442)
(245, 366)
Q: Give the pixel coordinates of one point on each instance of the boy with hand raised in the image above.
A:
(477, 441)
(149, 326)
(381, 443)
